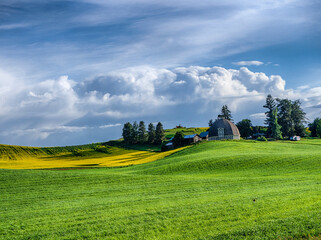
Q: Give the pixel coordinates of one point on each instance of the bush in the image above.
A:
(263, 139)
(178, 139)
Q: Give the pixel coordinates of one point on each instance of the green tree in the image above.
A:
(318, 128)
(159, 133)
(151, 133)
(245, 128)
(142, 138)
(298, 117)
(127, 132)
(210, 122)
(134, 137)
(275, 127)
(178, 139)
(270, 104)
(226, 113)
(313, 127)
(285, 117)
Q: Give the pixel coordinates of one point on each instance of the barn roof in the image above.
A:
(229, 128)
(190, 136)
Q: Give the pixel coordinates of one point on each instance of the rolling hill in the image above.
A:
(214, 190)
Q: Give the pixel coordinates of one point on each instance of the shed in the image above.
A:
(193, 138)
(257, 135)
(169, 146)
(204, 136)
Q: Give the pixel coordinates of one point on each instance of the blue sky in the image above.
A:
(73, 72)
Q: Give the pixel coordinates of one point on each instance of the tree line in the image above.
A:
(137, 133)
(284, 118)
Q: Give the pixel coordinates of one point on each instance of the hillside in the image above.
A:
(214, 190)
(111, 154)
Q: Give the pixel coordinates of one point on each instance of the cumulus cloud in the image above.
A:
(248, 63)
(64, 106)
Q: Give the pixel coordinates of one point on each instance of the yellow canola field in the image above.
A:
(16, 157)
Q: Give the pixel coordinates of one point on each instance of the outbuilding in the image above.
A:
(194, 138)
(204, 136)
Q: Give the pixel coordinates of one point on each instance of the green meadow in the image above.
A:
(213, 190)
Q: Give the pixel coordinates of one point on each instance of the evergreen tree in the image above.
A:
(210, 122)
(245, 128)
(285, 117)
(226, 113)
(275, 127)
(127, 132)
(298, 117)
(178, 139)
(142, 132)
(270, 104)
(313, 127)
(134, 137)
(318, 128)
(151, 133)
(159, 133)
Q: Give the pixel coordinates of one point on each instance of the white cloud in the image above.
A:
(63, 106)
(258, 115)
(110, 125)
(248, 63)
(43, 133)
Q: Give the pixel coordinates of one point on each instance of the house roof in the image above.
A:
(189, 136)
(204, 134)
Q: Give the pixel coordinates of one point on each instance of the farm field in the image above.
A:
(213, 190)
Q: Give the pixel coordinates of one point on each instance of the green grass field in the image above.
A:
(214, 190)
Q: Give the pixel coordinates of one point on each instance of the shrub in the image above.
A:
(263, 139)
(178, 139)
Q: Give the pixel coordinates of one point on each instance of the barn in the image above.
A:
(223, 129)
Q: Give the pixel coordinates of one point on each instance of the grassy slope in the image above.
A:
(204, 192)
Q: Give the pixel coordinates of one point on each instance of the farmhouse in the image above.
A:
(223, 129)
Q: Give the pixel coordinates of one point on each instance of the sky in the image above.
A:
(73, 72)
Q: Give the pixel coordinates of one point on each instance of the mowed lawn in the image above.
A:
(214, 190)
